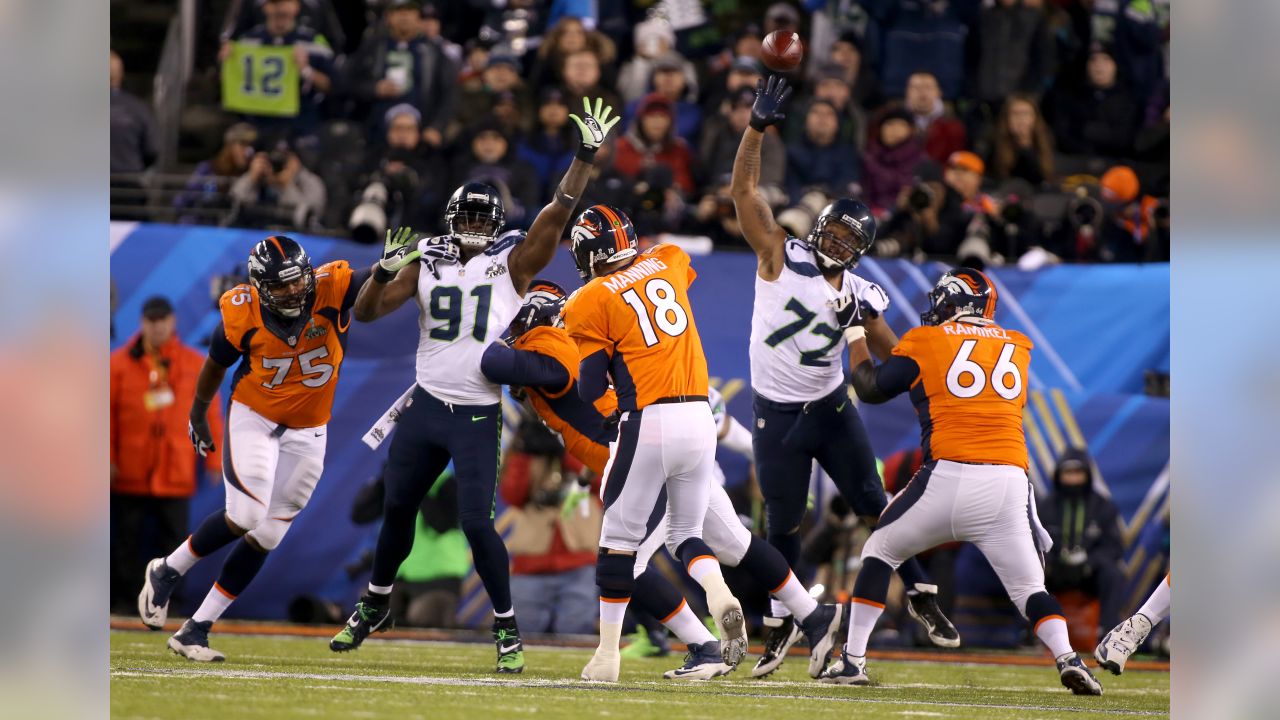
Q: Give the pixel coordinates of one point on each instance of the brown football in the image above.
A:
(782, 51)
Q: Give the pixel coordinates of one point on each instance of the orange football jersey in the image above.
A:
(970, 391)
(291, 384)
(641, 317)
(579, 423)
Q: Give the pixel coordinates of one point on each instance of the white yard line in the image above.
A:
(579, 685)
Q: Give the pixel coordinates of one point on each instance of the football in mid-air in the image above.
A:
(781, 51)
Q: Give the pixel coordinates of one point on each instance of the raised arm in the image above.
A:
(754, 214)
(539, 246)
(876, 384)
(394, 278)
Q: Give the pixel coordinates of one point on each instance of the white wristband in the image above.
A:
(855, 333)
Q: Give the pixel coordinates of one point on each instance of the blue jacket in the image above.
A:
(832, 168)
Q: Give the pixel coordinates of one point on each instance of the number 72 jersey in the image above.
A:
(288, 374)
(969, 391)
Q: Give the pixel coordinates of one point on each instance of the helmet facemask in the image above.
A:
(474, 229)
(290, 295)
(836, 244)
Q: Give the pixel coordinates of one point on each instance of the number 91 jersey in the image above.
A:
(288, 375)
(970, 391)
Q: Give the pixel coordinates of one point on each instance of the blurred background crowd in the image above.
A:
(986, 131)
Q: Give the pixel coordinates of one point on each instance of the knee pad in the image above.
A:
(246, 516)
(268, 534)
(1038, 606)
(614, 574)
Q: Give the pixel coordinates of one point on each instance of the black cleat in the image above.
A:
(783, 634)
(922, 604)
(369, 617)
(820, 629)
(506, 636)
(1076, 677)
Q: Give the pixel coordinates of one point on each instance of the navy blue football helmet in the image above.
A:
(542, 306)
(475, 215)
(963, 292)
(276, 265)
(844, 231)
(602, 234)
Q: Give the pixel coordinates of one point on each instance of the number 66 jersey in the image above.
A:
(288, 372)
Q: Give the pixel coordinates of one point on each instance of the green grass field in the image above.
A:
(285, 677)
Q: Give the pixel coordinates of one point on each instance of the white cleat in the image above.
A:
(848, 670)
(192, 643)
(603, 667)
(702, 663)
(158, 583)
(727, 613)
(1123, 640)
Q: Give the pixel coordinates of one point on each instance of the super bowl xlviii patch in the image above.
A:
(315, 331)
(495, 269)
(760, 423)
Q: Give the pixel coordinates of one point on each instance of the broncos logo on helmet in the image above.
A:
(963, 292)
(542, 306)
(280, 270)
(602, 234)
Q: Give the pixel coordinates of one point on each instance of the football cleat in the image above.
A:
(922, 604)
(1123, 640)
(820, 629)
(783, 634)
(506, 637)
(157, 586)
(192, 642)
(603, 667)
(645, 643)
(848, 670)
(703, 662)
(1076, 677)
(368, 618)
(727, 612)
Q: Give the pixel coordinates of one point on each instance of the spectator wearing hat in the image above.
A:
(403, 166)
(654, 39)
(934, 218)
(1098, 116)
(153, 469)
(311, 53)
(942, 133)
(821, 161)
(396, 64)
(580, 75)
(720, 140)
(501, 76)
(671, 75)
(744, 72)
(1085, 529)
(489, 157)
(1022, 144)
(651, 140)
(892, 159)
(1134, 229)
(781, 16)
(277, 191)
(1137, 31)
(549, 147)
(206, 189)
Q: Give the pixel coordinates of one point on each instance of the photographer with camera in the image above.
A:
(277, 190)
(553, 554)
(395, 189)
(936, 218)
(1135, 227)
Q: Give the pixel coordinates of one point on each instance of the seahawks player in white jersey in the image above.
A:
(468, 286)
(807, 302)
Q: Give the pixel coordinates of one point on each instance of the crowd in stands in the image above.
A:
(989, 131)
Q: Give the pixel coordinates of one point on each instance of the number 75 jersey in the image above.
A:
(288, 373)
(641, 318)
(969, 391)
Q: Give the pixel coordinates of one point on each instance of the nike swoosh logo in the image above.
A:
(504, 649)
(840, 407)
(478, 418)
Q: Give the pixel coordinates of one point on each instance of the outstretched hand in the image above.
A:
(770, 97)
(595, 125)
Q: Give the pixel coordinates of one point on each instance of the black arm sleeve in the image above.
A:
(593, 376)
(878, 384)
(524, 368)
(358, 278)
(221, 350)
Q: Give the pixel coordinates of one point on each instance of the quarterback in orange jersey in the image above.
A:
(965, 375)
(287, 329)
(632, 323)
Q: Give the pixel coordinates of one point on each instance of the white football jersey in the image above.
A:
(459, 315)
(797, 347)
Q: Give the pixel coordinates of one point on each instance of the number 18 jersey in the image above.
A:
(797, 346)
(641, 317)
(460, 314)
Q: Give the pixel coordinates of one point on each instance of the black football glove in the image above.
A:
(199, 432)
(769, 99)
(611, 423)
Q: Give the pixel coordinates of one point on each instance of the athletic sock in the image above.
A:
(215, 603)
(796, 598)
(704, 568)
(380, 589)
(212, 535)
(687, 627)
(778, 609)
(863, 615)
(504, 615)
(612, 613)
(1156, 608)
(1052, 631)
(766, 563)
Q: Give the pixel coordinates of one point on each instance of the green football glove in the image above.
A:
(576, 499)
(593, 126)
(398, 251)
